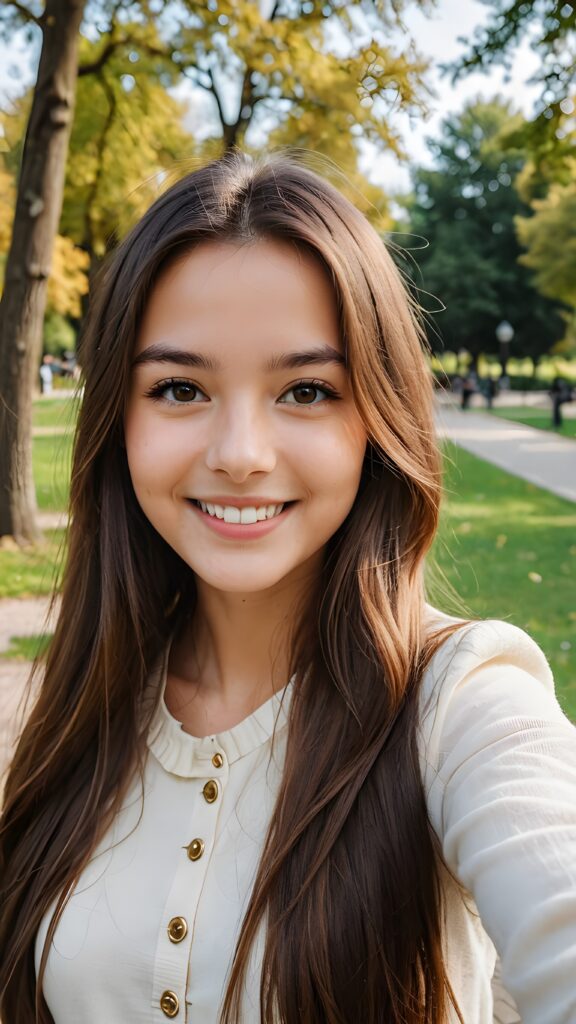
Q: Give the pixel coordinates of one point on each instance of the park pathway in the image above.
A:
(539, 456)
(18, 617)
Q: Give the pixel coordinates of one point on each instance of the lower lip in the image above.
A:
(237, 531)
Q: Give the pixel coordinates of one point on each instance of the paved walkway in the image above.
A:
(542, 457)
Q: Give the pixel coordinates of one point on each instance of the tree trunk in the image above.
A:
(38, 208)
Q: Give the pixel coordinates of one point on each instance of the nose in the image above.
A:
(241, 442)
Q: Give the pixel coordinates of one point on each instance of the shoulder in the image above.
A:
(487, 666)
(476, 643)
(490, 724)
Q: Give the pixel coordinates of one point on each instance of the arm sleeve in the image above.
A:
(503, 802)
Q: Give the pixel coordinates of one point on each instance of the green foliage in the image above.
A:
(466, 210)
(309, 75)
(59, 335)
(550, 25)
(302, 71)
(549, 235)
(128, 130)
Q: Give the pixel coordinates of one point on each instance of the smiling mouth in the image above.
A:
(243, 516)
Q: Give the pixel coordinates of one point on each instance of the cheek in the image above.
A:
(332, 463)
(155, 456)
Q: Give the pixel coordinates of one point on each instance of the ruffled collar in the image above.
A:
(189, 756)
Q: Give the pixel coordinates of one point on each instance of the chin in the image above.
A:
(251, 576)
(239, 584)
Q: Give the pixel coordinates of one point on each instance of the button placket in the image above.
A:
(175, 942)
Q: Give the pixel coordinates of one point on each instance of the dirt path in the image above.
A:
(18, 617)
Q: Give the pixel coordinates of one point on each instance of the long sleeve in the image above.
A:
(501, 768)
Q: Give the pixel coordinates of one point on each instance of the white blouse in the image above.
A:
(151, 927)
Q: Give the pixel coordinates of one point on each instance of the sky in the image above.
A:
(436, 37)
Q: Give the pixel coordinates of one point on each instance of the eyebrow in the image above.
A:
(160, 353)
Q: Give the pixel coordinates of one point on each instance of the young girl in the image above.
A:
(263, 780)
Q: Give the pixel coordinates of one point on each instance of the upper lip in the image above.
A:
(249, 502)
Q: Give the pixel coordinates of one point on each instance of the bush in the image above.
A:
(522, 383)
(59, 335)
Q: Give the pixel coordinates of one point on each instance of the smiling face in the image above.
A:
(244, 444)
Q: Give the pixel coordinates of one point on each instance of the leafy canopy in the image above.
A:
(466, 210)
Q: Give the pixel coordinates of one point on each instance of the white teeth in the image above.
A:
(231, 514)
(248, 514)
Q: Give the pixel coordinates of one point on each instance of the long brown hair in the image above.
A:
(348, 887)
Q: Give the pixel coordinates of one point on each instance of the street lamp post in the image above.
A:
(504, 334)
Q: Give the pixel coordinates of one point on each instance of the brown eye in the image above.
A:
(184, 392)
(176, 392)
(309, 393)
(305, 394)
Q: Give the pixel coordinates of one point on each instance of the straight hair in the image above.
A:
(348, 889)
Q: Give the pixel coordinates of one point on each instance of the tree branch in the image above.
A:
(26, 14)
(100, 148)
(94, 66)
(216, 96)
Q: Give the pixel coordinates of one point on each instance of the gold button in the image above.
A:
(169, 1003)
(195, 849)
(177, 929)
(217, 760)
(210, 791)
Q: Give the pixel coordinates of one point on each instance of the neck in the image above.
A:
(237, 648)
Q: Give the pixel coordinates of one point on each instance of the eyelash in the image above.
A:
(156, 392)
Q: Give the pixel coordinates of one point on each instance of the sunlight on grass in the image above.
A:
(29, 572)
(51, 461)
(25, 648)
(509, 550)
(59, 413)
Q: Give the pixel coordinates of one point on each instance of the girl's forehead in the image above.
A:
(253, 265)
(228, 293)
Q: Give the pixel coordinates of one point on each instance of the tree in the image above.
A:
(38, 205)
(128, 135)
(311, 72)
(551, 27)
(68, 281)
(466, 210)
(127, 131)
(549, 236)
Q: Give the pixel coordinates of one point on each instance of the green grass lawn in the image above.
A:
(54, 412)
(535, 417)
(509, 550)
(51, 454)
(25, 648)
(30, 572)
(51, 458)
